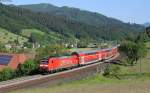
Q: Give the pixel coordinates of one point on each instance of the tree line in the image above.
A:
(15, 19)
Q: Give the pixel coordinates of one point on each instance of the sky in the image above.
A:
(134, 11)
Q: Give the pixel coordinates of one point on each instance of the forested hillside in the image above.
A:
(63, 24)
(90, 18)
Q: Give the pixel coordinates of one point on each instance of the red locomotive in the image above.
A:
(77, 59)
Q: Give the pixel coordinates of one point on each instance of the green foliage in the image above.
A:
(27, 44)
(9, 37)
(142, 51)
(142, 37)
(112, 71)
(75, 25)
(2, 48)
(90, 18)
(53, 50)
(134, 50)
(30, 67)
(35, 37)
(82, 44)
(27, 32)
(27, 68)
(6, 74)
(130, 49)
(148, 31)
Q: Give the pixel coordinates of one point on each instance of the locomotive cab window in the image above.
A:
(44, 61)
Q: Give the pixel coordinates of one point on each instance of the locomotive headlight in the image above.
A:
(41, 65)
(46, 65)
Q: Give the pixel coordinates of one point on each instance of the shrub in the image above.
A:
(82, 45)
(133, 50)
(112, 71)
(6, 74)
(27, 68)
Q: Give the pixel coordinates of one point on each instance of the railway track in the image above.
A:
(53, 79)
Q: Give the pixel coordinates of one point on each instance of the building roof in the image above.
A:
(5, 59)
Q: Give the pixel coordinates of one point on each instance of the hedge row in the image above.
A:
(28, 68)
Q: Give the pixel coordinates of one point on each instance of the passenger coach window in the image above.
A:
(91, 53)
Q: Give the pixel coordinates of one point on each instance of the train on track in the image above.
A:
(78, 59)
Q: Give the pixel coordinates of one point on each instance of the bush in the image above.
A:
(112, 71)
(82, 45)
(6, 74)
(27, 68)
(133, 50)
(130, 48)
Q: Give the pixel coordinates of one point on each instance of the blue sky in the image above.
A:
(134, 11)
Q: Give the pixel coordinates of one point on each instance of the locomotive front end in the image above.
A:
(44, 65)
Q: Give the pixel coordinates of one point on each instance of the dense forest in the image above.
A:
(64, 24)
(83, 16)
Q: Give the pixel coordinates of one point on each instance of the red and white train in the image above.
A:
(78, 59)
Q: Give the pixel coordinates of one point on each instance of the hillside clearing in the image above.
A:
(6, 36)
(27, 32)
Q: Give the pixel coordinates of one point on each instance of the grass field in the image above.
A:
(134, 81)
(27, 32)
(6, 36)
(130, 87)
